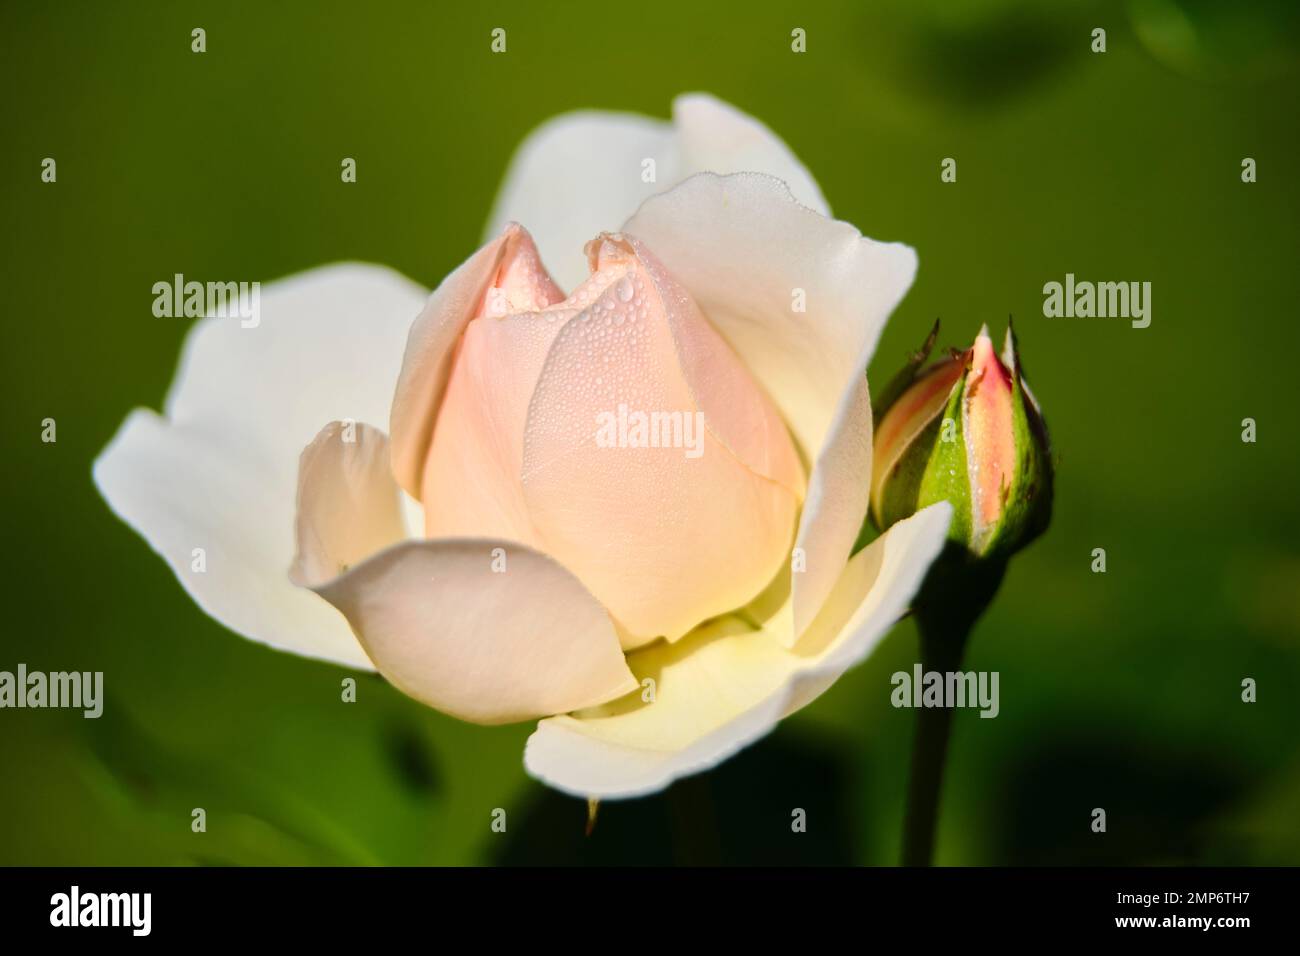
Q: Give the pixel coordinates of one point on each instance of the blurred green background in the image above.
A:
(1119, 690)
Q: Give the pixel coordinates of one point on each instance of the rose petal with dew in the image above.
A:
(802, 300)
(484, 630)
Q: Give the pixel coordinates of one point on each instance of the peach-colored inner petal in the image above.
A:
(472, 477)
(989, 433)
(667, 526)
(908, 417)
(617, 432)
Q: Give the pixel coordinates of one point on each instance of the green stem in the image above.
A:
(929, 753)
(694, 822)
(954, 595)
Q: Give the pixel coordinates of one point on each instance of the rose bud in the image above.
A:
(966, 430)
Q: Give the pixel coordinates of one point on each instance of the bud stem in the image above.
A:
(954, 595)
(694, 822)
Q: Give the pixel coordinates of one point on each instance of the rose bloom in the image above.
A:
(546, 530)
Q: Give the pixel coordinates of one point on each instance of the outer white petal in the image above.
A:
(485, 630)
(218, 470)
(715, 137)
(726, 686)
(752, 256)
(582, 173)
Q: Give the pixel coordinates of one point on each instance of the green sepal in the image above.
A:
(932, 470)
(906, 375)
(946, 477)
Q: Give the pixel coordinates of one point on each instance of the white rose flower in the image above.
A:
(544, 531)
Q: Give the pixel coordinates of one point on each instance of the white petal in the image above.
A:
(715, 137)
(349, 505)
(479, 629)
(750, 255)
(582, 173)
(219, 471)
(724, 687)
(452, 626)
